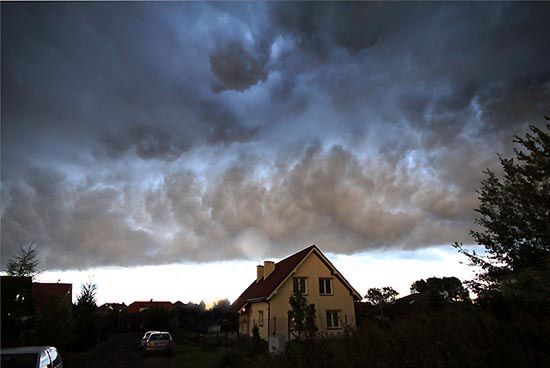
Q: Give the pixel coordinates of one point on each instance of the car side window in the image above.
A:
(44, 360)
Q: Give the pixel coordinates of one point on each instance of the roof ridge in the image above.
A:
(298, 252)
(264, 287)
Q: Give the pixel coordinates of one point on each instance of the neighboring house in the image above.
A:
(17, 308)
(46, 292)
(136, 313)
(17, 296)
(137, 307)
(409, 306)
(265, 303)
(22, 299)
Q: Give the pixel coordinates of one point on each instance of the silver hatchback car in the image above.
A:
(158, 341)
(145, 338)
(31, 357)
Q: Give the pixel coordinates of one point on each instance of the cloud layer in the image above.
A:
(137, 133)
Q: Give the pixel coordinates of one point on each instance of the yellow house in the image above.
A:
(265, 303)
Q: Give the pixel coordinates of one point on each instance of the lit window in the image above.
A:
(300, 285)
(333, 319)
(261, 318)
(325, 286)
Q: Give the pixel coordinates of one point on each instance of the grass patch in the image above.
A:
(191, 355)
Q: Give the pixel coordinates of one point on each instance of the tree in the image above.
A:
(157, 319)
(514, 220)
(220, 308)
(25, 262)
(85, 316)
(448, 288)
(54, 323)
(381, 297)
(87, 295)
(302, 315)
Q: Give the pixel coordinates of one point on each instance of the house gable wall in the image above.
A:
(313, 268)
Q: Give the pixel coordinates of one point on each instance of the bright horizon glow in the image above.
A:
(193, 282)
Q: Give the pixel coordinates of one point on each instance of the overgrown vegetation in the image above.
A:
(464, 335)
(54, 323)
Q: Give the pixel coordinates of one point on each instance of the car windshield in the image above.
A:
(18, 361)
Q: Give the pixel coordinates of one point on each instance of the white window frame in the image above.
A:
(296, 281)
(333, 319)
(323, 281)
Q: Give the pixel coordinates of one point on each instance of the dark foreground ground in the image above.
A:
(123, 351)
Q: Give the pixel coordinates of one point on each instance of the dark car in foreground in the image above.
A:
(31, 357)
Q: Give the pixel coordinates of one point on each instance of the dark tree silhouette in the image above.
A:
(85, 317)
(381, 297)
(54, 323)
(302, 315)
(514, 216)
(448, 288)
(25, 262)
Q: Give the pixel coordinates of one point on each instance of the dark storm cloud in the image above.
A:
(141, 133)
(317, 28)
(237, 68)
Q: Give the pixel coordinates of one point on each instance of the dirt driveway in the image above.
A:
(123, 351)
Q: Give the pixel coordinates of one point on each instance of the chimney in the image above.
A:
(269, 266)
(259, 273)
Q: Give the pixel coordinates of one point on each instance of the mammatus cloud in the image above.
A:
(237, 68)
(154, 133)
(330, 197)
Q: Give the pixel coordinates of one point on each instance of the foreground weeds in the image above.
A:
(470, 337)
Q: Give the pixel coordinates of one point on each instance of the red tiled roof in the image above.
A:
(44, 291)
(136, 307)
(265, 287)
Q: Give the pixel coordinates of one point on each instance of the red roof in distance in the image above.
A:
(137, 307)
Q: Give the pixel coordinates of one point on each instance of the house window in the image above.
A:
(300, 285)
(333, 319)
(260, 318)
(325, 286)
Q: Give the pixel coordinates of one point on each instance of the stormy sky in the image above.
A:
(153, 133)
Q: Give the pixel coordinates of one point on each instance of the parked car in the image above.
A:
(145, 338)
(31, 357)
(158, 341)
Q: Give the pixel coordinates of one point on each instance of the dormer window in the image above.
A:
(300, 285)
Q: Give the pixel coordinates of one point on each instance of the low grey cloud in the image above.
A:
(149, 133)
